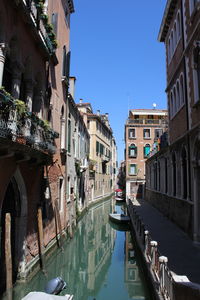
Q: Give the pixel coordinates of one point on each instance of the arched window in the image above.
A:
(196, 72)
(172, 43)
(147, 148)
(178, 95)
(174, 174)
(175, 100)
(178, 26)
(182, 90)
(133, 150)
(175, 35)
(171, 105)
(169, 50)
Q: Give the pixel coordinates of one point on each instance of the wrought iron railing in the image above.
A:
(33, 131)
(40, 22)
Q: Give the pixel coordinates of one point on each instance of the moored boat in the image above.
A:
(119, 218)
(45, 296)
(119, 199)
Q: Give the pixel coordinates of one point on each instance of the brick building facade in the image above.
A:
(178, 195)
(142, 134)
(33, 93)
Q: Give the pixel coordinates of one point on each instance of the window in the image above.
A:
(147, 148)
(131, 133)
(60, 193)
(193, 4)
(182, 90)
(175, 104)
(66, 62)
(69, 136)
(67, 17)
(132, 150)
(146, 133)
(171, 106)
(54, 22)
(178, 95)
(132, 169)
(196, 72)
(178, 26)
(158, 133)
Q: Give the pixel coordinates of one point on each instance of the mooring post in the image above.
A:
(8, 253)
(146, 241)
(154, 246)
(58, 223)
(163, 263)
(41, 238)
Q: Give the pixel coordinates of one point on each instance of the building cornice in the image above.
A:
(71, 6)
(166, 20)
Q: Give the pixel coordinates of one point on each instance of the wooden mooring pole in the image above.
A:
(41, 238)
(8, 256)
(58, 224)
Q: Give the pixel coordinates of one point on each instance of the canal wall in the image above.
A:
(35, 265)
(167, 284)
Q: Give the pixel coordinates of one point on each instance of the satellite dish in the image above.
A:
(154, 105)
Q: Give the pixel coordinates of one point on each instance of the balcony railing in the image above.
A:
(21, 126)
(39, 20)
(147, 121)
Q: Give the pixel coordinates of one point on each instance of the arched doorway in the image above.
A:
(196, 181)
(14, 203)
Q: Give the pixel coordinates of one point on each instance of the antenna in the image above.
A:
(154, 105)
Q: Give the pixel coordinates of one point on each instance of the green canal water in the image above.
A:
(99, 262)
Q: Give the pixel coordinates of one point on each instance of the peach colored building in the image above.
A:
(102, 154)
(143, 130)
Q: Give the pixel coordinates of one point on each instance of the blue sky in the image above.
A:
(116, 58)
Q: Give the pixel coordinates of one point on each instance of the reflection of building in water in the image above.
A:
(101, 243)
(132, 276)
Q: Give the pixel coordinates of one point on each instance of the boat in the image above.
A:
(52, 289)
(45, 296)
(119, 218)
(119, 227)
(119, 195)
(119, 199)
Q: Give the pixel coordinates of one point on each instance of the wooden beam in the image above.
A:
(41, 238)
(8, 253)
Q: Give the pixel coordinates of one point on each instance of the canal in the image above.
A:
(99, 262)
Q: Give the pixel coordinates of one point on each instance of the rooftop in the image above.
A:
(167, 17)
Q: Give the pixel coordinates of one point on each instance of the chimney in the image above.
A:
(81, 101)
(72, 81)
(98, 112)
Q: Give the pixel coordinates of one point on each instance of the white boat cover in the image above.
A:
(45, 296)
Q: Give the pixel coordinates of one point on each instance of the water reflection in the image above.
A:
(98, 263)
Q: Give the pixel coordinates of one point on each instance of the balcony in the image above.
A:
(33, 11)
(147, 121)
(23, 132)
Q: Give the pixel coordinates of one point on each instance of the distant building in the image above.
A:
(77, 157)
(143, 131)
(173, 175)
(102, 146)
